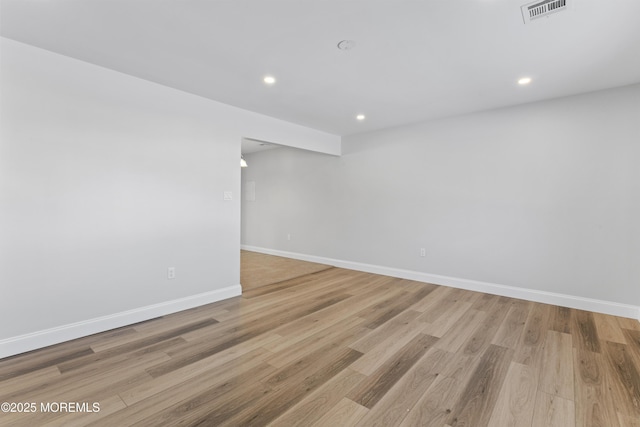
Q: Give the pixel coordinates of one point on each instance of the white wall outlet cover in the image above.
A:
(228, 195)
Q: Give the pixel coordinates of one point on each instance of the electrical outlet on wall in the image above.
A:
(171, 273)
(423, 252)
(288, 236)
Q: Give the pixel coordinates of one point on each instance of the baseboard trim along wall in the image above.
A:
(47, 337)
(599, 306)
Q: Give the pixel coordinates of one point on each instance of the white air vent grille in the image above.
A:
(539, 9)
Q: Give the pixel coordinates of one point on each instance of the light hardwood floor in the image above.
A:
(261, 269)
(344, 348)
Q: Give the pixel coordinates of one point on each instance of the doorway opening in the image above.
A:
(259, 269)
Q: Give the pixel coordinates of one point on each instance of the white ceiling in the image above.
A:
(414, 60)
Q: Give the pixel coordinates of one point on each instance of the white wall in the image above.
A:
(105, 181)
(543, 197)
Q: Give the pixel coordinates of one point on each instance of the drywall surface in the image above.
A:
(106, 181)
(543, 196)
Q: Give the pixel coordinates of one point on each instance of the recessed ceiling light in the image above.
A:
(269, 80)
(360, 117)
(524, 81)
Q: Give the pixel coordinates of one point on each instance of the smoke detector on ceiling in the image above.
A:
(346, 44)
(539, 9)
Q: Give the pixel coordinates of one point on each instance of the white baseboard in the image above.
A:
(47, 337)
(599, 306)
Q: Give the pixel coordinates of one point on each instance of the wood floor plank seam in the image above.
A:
(478, 398)
(377, 384)
(283, 284)
(152, 343)
(10, 372)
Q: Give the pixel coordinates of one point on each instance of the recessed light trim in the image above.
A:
(269, 80)
(524, 81)
(360, 117)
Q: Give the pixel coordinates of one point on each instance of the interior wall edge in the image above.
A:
(571, 301)
(39, 339)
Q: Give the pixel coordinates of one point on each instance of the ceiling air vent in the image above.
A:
(538, 9)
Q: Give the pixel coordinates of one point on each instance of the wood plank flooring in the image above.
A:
(259, 269)
(343, 348)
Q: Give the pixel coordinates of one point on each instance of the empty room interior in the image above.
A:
(320, 213)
